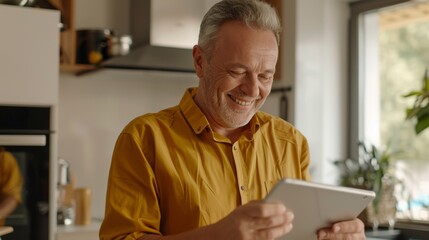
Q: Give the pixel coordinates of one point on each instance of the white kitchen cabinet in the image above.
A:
(29, 55)
(29, 73)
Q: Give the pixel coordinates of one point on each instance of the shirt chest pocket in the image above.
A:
(269, 184)
(215, 202)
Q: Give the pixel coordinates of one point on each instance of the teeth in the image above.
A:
(242, 103)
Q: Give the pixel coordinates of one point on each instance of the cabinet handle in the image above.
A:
(22, 140)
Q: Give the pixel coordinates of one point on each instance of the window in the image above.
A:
(388, 59)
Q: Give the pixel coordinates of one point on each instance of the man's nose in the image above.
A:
(250, 86)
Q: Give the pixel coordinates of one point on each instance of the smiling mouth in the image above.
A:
(241, 102)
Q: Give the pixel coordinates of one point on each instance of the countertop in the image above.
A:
(94, 226)
(81, 232)
(5, 230)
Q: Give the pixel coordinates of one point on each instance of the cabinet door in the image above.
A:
(29, 55)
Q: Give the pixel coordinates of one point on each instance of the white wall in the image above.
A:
(95, 107)
(181, 21)
(314, 63)
(112, 14)
(321, 82)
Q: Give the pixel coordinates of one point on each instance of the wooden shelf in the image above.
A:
(68, 39)
(76, 68)
(68, 35)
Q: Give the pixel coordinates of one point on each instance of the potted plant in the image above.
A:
(371, 171)
(420, 109)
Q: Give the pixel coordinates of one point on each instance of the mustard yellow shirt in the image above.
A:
(11, 180)
(171, 173)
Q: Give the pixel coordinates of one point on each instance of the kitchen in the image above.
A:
(93, 108)
(90, 99)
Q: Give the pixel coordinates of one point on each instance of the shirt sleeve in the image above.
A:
(305, 160)
(132, 206)
(11, 180)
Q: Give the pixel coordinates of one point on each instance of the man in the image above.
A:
(199, 170)
(11, 182)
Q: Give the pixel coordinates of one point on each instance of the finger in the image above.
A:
(329, 235)
(352, 226)
(273, 221)
(274, 232)
(263, 210)
(353, 229)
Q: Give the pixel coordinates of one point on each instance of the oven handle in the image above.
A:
(22, 140)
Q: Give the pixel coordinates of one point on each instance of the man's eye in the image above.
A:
(236, 73)
(265, 77)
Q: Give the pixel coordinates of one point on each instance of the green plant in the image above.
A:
(420, 109)
(366, 172)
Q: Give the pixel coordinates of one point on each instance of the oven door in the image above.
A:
(25, 139)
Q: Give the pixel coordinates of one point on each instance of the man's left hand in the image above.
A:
(353, 230)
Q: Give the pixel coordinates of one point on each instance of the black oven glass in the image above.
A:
(18, 123)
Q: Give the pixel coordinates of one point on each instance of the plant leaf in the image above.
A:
(413, 93)
(410, 113)
(426, 81)
(427, 84)
(422, 124)
(423, 112)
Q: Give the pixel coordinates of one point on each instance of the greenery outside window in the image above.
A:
(388, 61)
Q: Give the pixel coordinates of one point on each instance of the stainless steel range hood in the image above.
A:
(144, 55)
(158, 58)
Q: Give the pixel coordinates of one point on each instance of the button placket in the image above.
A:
(241, 174)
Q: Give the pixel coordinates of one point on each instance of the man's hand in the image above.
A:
(350, 230)
(255, 220)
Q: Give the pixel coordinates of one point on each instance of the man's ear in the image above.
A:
(199, 60)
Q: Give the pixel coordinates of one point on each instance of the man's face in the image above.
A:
(237, 79)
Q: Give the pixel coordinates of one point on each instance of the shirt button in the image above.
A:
(235, 147)
(242, 188)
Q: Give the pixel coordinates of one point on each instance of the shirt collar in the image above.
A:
(192, 112)
(195, 117)
(254, 124)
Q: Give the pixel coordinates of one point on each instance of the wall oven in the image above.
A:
(25, 132)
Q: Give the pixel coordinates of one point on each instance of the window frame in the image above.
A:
(409, 228)
(355, 59)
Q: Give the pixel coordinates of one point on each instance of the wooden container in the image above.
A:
(82, 197)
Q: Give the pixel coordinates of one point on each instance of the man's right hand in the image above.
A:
(255, 220)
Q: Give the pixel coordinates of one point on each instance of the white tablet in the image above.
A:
(317, 205)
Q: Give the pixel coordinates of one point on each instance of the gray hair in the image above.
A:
(253, 13)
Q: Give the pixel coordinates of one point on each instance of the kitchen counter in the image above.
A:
(81, 232)
(382, 234)
(5, 230)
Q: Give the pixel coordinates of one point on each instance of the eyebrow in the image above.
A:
(270, 71)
